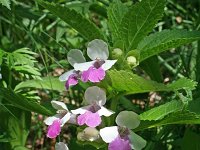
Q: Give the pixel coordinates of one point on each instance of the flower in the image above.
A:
(71, 77)
(94, 71)
(91, 114)
(56, 122)
(61, 146)
(88, 134)
(121, 137)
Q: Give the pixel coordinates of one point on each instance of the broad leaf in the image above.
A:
(152, 67)
(5, 3)
(190, 141)
(164, 40)
(129, 83)
(180, 117)
(50, 83)
(86, 28)
(162, 110)
(140, 20)
(116, 12)
(21, 102)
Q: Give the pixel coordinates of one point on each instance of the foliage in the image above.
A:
(152, 40)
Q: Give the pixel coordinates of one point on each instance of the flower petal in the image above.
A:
(109, 134)
(105, 112)
(95, 94)
(90, 119)
(108, 64)
(75, 56)
(65, 76)
(72, 80)
(97, 49)
(59, 105)
(61, 146)
(80, 110)
(137, 142)
(54, 129)
(83, 66)
(96, 75)
(128, 119)
(65, 119)
(49, 120)
(119, 144)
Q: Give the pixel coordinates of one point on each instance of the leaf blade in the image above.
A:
(140, 20)
(86, 28)
(164, 40)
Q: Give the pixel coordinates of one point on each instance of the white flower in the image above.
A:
(61, 146)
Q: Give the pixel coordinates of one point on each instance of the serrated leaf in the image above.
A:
(116, 12)
(164, 40)
(50, 83)
(129, 83)
(180, 117)
(5, 3)
(161, 111)
(140, 20)
(86, 28)
(21, 102)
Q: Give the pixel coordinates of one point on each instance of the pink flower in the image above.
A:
(71, 77)
(56, 122)
(91, 114)
(94, 70)
(121, 137)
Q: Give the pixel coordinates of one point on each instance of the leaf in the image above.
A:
(190, 141)
(161, 111)
(21, 102)
(17, 124)
(128, 83)
(50, 83)
(116, 12)
(164, 40)
(5, 3)
(180, 117)
(86, 28)
(152, 67)
(140, 20)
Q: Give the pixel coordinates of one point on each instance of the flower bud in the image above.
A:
(89, 134)
(131, 60)
(116, 53)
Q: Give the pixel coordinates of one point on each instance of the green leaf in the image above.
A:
(165, 40)
(21, 102)
(140, 20)
(190, 141)
(16, 123)
(116, 12)
(86, 28)
(180, 117)
(161, 111)
(152, 67)
(5, 3)
(50, 83)
(129, 83)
